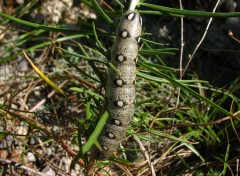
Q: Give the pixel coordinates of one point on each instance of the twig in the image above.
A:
(39, 104)
(44, 129)
(237, 167)
(150, 165)
(133, 4)
(123, 168)
(29, 90)
(234, 129)
(181, 57)
(182, 44)
(203, 124)
(21, 166)
(200, 42)
(230, 34)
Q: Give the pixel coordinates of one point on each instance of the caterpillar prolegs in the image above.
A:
(120, 86)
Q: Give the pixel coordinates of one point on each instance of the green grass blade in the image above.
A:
(50, 28)
(88, 92)
(93, 138)
(151, 12)
(96, 38)
(39, 26)
(192, 148)
(79, 55)
(159, 52)
(100, 10)
(88, 110)
(225, 166)
(193, 13)
(41, 45)
(162, 80)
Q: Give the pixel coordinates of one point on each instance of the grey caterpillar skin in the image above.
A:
(120, 87)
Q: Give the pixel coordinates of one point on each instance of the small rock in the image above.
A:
(32, 141)
(20, 2)
(22, 130)
(48, 171)
(22, 65)
(3, 144)
(48, 151)
(56, 129)
(31, 157)
(37, 93)
(9, 140)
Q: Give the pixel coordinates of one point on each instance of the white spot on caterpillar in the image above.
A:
(124, 34)
(110, 135)
(136, 60)
(120, 58)
(117, 122)
(119, 82)
(130, 16)
(105, 147)
(120, 103)
(138, 39)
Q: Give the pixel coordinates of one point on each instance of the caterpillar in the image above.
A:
(120, 92)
